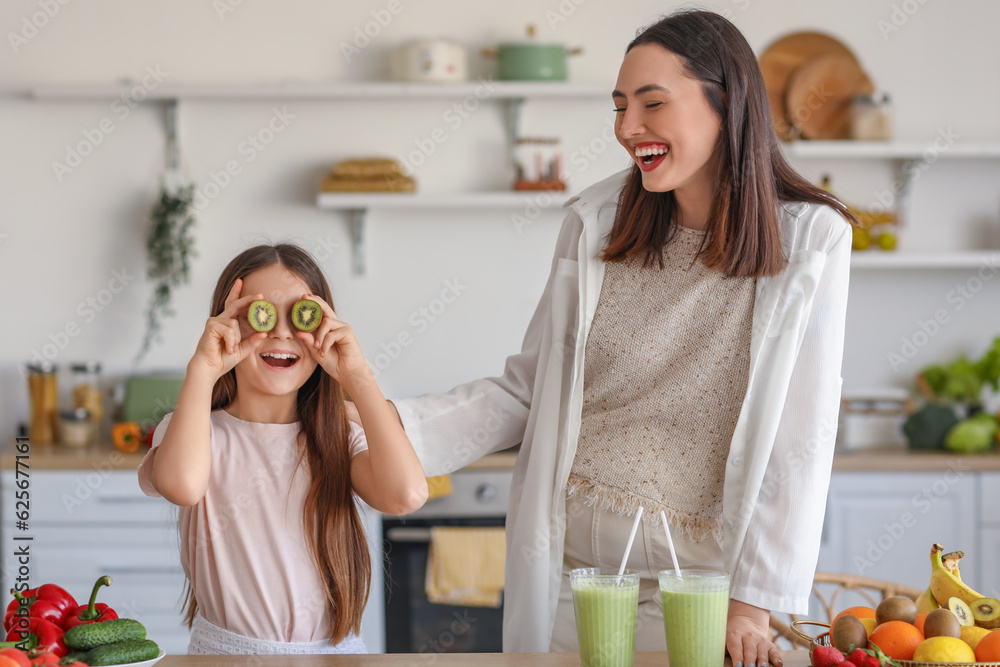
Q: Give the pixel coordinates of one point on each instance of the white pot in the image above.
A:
(430, 60)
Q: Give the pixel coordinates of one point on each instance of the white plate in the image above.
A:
(146, 663)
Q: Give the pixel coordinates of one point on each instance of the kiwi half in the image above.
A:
(306, 315)
(961, 610)
(986, 613)
(262, 315)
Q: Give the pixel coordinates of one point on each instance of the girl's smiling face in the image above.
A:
(281, 364)
(664, 121)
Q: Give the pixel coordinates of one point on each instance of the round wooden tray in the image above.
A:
(823, 639)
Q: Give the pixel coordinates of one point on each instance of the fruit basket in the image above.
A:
(823, 639)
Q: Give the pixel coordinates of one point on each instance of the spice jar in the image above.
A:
(44, 394)
(87, 390)
(76, 428)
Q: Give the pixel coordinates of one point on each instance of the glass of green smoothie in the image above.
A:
(695, 606)
(605, 604)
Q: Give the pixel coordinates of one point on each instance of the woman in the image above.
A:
(685, 355)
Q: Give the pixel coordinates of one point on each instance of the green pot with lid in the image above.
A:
(531, 60)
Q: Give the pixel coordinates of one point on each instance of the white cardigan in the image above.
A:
(780, 458)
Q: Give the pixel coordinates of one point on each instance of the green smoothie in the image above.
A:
(605, 605)
(695, 607)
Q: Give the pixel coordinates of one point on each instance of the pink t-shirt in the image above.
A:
(243, 546)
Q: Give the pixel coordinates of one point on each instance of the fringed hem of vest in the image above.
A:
(625, 503)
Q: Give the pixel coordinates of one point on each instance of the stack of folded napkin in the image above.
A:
(368, 175)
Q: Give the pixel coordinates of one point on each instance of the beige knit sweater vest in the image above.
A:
(666, 368)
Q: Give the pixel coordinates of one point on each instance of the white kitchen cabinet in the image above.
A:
(988, 582)
(88, 523)
(882, 524)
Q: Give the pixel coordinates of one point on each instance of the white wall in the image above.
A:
(62, 241)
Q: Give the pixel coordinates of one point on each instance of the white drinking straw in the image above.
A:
(670, 543)
(631, 538)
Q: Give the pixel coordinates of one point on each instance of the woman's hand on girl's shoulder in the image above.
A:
(334, 346)
(222, 345)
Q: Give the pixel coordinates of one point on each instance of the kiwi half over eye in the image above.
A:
(306, 315)
(262, 315)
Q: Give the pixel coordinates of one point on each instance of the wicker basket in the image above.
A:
(823, 639)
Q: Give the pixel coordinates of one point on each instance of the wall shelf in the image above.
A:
(962, 259)
(357, 205)
(889, 150)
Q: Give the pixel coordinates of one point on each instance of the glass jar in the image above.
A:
(871, 118)
(43, 390)
(86, 384)
(76, 428)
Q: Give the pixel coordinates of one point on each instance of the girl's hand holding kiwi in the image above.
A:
(223, 344)
(331, 343)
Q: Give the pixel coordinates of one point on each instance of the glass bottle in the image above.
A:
(87, 390)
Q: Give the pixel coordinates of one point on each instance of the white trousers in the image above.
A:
(596, 538)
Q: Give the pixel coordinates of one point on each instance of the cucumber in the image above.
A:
(91, 635)
(119, 653)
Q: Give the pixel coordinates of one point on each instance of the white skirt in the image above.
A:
(209, 639)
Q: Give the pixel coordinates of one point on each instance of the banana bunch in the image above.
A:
(947, 589)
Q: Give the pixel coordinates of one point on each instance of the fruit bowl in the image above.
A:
(823, 639)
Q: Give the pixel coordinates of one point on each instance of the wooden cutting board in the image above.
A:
(782, 58)
(819, 93)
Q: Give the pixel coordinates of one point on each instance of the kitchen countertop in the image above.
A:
(103, 456)
(792, 659)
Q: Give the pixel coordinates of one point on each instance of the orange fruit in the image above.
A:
(897, 639)
(988, 648)
(857, 612)
(919, 623)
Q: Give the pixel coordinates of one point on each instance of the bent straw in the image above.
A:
(631, 538)
(670, 543)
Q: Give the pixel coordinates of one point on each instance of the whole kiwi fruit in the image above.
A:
(848, 633)
(306, 315)
(896, 608)
(942, 623)
(262, 315)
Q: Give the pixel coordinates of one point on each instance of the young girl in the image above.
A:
(264, 464)
(685, 355)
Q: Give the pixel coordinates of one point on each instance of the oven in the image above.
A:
(414, 624)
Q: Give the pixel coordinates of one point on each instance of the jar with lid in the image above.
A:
(87, 390)
(76, 428)
(871, 117)
(44, 394)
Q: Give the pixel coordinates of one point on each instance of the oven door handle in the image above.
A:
(408, 534)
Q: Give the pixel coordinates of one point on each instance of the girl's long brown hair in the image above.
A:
(754, 178)
(331, 519)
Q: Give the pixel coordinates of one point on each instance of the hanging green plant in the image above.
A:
(169, 250)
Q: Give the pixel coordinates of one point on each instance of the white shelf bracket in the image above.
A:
(356, 219)
(906, 174)
(173, 150)
(512, 118)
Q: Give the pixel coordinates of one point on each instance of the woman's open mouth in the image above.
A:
(651, 155)
(279, 360)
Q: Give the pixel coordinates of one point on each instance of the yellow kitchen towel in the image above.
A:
(466, 566)
(439, 487)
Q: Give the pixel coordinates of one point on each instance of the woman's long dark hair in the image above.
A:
(754, 178)
(332, 524)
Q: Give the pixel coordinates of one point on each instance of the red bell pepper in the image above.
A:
(47, 601)
(40, 634)
(90, 612)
